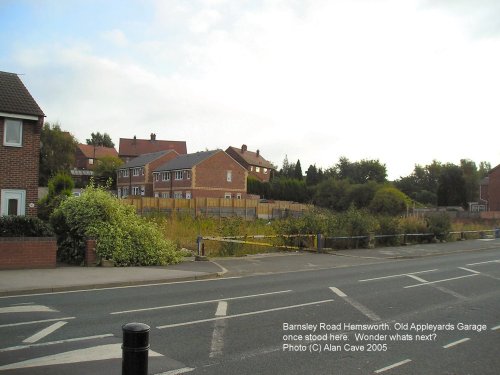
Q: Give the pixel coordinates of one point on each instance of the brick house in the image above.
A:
(87, 155)
(21, 121)
(253, 162)
(490, 189)
(132, 148)
(208, 174)
(136, 176)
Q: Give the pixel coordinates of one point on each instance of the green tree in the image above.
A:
(333, 194)
(57, 152)
(105, 170)
(98, 139)
(359, 172)
(452, 187)
(297, 173)
(60, 187)
(389, 201)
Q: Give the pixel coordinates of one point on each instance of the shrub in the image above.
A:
(60, 187)
(22, 226)
(121, 234)
(390, 226)
(439, 225)
(389, 201)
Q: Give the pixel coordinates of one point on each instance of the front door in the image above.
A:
(13, 202)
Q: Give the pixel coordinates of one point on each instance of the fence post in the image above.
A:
(199, 242)
(135, 349)
(320, 242)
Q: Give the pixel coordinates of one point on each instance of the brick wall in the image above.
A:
(27, 252)
(212, 174)
(494, 189)
(90, 254)
(19, 165)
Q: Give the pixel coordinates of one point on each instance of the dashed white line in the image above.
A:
(44, 332)
(401, 274)
(393, 366)
(439, 281)
(489, 261)
(199, 302)
(178, 371)
(221, 309)
(244, 314)
(25, 308)
(495, 328)
(417, 278)
(451, 344)
(218, 334)
(338, 292)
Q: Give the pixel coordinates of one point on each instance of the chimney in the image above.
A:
(258, 153)
(243, 148)
(153, 137)
(134, 141)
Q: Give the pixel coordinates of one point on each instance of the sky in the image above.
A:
(404, 82)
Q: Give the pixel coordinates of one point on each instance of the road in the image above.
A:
(432, 315)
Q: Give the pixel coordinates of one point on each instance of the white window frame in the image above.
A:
(143, 190)
(91, 161)
(10, 122)
(136, 172)
(124, 172)
(157, 195)
(188, 195)
(165, 176)
(136, 190)
(229, 176)
(265, 170)
(257, 169)
(227, 196)
(157, 176)
(142, 171)
(8, 194)
(125, 192)
(188, 174)
(179, 175)
(177, 194)
(165, 194)
(238, 196)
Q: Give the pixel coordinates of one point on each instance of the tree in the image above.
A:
(57, 152)
(313, 175)
(389, 201)
(60, 187)
(98, 139)
(297, 173)
(288, 169)
(106, 169)
(451, 189)
(359, 172)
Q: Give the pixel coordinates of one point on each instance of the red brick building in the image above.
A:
(132, 148)
(490, 190)
(21, 121)
(86, 156)
(253, 162)
(136, 176)
(208, 174)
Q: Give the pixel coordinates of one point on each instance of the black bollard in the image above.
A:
(135, 349)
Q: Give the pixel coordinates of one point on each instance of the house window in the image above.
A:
(124, 172)
(178, 175)
(229, 176)
(188, 175)
(125, 192)
(165, 176)
(188, 195)
(13, 133)
(136, 171)
(13, 202)
(251, 168)
(265, 170)
(143, 190)
(135, 190)
(227, 195)
(157, 176)
(238, 196)
(257, 169)
(178, 194)
(165, 195)
(157, 195)
(91, 161)
(142, 171)
(119, 192)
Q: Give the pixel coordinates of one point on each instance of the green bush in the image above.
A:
(439, 225)
(389, 201)
(389, 226)
(122, 235)
(60, 187)
(22, 226)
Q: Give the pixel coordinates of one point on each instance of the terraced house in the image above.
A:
(253, 162)
(136, 176)
(208, 174)
(21, 121)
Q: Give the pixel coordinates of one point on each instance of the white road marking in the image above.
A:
(393, 366)
(417, 278)
(451, 344)
(219, 329)
(495, 328)
(95, 353)
(177, 371)
(44, 332)
(244, 314)
(35, 322)
(358, 306)
(489, 261)
(440, 281)
(199, 302)
(338, 292)
(21, 347)
(25, 308)
(468, 270)
(401, 274)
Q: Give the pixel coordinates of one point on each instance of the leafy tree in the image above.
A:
(289, 189)
(257, 187)
(98, 139)
(60, 187)
(359, 172)
(288, 169)
(313, 175)
(333, 194)
(57, 152)
(105, 169)
(452, 187)
(361, 195)
(389, 201)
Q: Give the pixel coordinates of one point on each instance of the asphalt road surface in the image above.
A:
(432, 315)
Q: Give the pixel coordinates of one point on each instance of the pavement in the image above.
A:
(68, 278)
